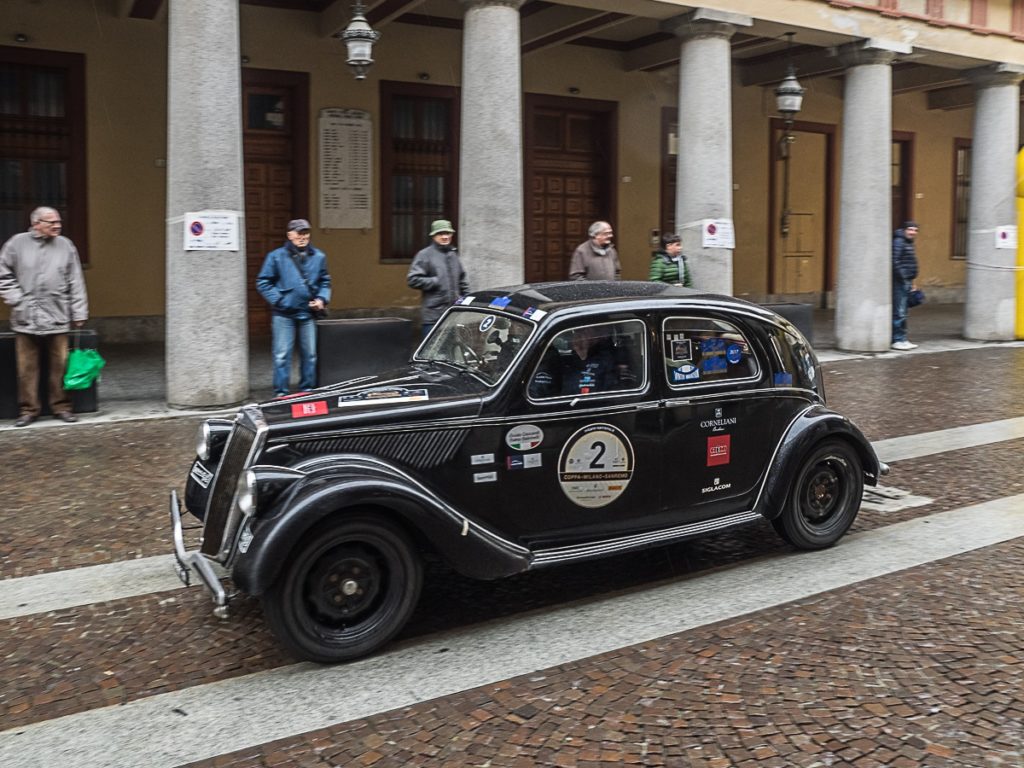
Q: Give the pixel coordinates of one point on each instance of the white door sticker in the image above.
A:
(525, 437)
(596, 465)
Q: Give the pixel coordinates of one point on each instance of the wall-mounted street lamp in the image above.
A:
(789, 97)
(359, 38)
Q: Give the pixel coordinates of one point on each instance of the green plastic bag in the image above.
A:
(84, 366)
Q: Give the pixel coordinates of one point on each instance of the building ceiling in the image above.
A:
(762, 53)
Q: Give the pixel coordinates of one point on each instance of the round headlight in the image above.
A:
(246, 493)
(203, 441)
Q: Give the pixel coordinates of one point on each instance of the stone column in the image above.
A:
(864, 283)
(990, 311)
(491, 229)
(704, 170)
(207, 338)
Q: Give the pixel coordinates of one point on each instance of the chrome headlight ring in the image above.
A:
(211, 437)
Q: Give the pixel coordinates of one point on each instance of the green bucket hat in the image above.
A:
(441, 225)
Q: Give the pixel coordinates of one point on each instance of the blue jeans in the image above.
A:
(900, 292)
(285, 330)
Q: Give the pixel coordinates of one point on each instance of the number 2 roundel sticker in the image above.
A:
(596, 465)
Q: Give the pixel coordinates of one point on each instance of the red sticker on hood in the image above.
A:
(316, 408)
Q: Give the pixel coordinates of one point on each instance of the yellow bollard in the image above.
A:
(1020, 245)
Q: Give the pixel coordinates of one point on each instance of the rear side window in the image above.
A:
(799, 365)
(700, 350)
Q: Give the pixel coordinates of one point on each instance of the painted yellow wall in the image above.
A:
(126, 98)
(126, 123)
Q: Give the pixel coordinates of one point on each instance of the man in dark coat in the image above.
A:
(904, 270)
(438, 273)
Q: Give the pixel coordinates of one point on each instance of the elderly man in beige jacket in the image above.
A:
(596, 259)
(41, 279)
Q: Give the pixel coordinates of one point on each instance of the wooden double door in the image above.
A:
(570, 169)
(275, 147)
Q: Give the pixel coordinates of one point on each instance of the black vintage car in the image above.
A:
(535, 426)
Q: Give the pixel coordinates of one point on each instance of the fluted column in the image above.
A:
(207, 327)
(704, 168)
(990, 310)
(864, 285)
(491, 228)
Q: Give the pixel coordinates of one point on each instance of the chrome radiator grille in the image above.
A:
(222, 493)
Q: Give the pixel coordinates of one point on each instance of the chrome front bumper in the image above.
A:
(189, 563)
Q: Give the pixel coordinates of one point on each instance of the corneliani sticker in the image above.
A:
(201, 474)
(525, 437)
(485, 477)
(596, 465)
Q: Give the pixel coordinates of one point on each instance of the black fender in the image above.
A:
(336, 483)
(813, 425)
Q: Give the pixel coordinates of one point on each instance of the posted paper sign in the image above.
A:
(1006, 237)
(211, 231)
(346, 169)
(717, 233)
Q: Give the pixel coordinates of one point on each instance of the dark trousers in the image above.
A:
(28, 349)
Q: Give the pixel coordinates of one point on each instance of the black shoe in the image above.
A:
(66, 416)
(24, 420)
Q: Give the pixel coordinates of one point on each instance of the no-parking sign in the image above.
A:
(211, 231)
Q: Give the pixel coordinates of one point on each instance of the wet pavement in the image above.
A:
(924, 667)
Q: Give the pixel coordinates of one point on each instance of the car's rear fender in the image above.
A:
(809, 428)
(336, 485)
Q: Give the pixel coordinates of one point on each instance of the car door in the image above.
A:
(576, 457)
(720, 425)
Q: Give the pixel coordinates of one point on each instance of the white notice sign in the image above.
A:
(211, 231)
(346, 171)
(1006, 237)
(717, 233)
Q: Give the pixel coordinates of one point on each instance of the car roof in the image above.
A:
(536, 300)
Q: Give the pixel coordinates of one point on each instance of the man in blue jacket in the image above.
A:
(904, 270)
(295, 282)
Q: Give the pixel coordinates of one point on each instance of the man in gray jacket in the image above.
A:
(41, 279)
(438, 273)
(596, 259)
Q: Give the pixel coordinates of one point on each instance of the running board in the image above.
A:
(545, 557)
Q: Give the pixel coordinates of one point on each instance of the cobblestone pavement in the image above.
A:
(922, 668)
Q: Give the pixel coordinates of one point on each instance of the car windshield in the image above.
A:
(483, 343)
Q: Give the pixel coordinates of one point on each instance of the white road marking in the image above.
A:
(73, 587)
(89, 584)
(207, 720)
(952, 439)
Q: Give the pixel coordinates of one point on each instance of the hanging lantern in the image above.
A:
(359, 38)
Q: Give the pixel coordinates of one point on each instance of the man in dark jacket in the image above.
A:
(438, 273)
(295, 282)
(904, 270)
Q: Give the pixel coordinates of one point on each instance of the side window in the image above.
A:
(702, 350)
(591, 360)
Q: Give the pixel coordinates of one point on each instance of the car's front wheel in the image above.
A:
(348, 587)
(824, 498)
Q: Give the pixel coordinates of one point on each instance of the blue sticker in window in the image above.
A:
(716, 364)
(784, 379)
(501, 302)
(733, 354)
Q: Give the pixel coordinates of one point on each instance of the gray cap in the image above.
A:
(297, 224)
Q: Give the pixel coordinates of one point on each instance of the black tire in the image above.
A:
(347, 588)
(824, 498)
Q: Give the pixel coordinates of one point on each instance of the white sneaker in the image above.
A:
(904, 345)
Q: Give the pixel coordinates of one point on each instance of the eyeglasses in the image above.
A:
(48, 221)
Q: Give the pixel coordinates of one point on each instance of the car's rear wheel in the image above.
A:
(824, 498)
(348, 587)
